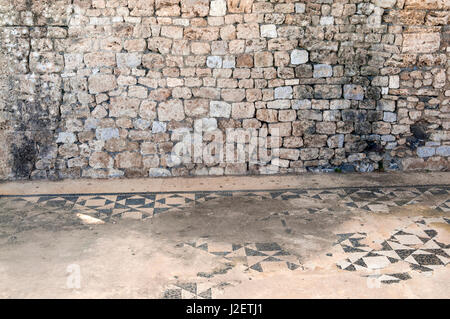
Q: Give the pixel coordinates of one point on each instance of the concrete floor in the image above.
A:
(384, 235)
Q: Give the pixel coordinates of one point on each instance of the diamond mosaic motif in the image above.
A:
(260, 257)
(414, 245)
(109, 207)
(189, 290)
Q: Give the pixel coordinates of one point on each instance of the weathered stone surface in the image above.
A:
(219, 109)
(307, 154)
(128, 160)
(267, 115)
(263, 59)
(279, 104)
(105, 88)
(333, 115)
(280, 129)
(101, 160)
(196, 107)
(426, 151)
(153, 61)
(66, 138)
(233, 95)
(218, 8)
(147, 110)
(336, 141)
(328, 128)
(244, 60)
(322, 71)
(421, 42)
(167, 8)
(443, 151)
(160, 94)
(128, 60)
(301, 104)
(159, 127)
(327, 91)
(299, 56)
(205, 125)
(99, 83)
(106, 133)
(214, 62)
(196, 8)
(46, 62)
(284, 92)
(240, 6)
(100, 59)
(293, 142)
(171, 110)
(303, 127)
(269, 31)
(385, 3)
(159, 172)
(123, 106)
(427, 4)
(353, 92)
(290, 154)
(247, 31)
(242, 110)
(135, 45)
(389, 117)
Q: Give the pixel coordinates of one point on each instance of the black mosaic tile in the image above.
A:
(135, 201)
(427, 260)
(191, 287)
(256, 267)
(252, 252)
(267, 246)
(401, 276)
(172, 294)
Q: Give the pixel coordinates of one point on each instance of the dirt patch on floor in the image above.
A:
(416, 210)
(16, 217)
(246, 220)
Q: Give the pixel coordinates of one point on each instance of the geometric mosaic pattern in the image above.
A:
(414, 245)
(256, 257)
(260, 257)
(390, 278)
(110, 207)
(189, 290)
(444, 206)
(377, 199)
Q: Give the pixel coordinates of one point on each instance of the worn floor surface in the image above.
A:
(309, 236)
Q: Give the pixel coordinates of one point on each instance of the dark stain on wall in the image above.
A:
(24, 157)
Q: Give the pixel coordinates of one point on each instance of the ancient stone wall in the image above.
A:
(112, 88)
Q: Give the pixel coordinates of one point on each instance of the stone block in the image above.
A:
(299, 57)
(353, 92)
(219, 109)
(426, 151)
(171, 110)
(218, 8)
(421, 42)
(323, 71)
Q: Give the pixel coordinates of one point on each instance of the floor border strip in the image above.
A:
(228, 191)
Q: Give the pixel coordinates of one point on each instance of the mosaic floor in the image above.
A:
(257, 257)
(189, 290)
(408, 250)
(413, 245)
(110, 207)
